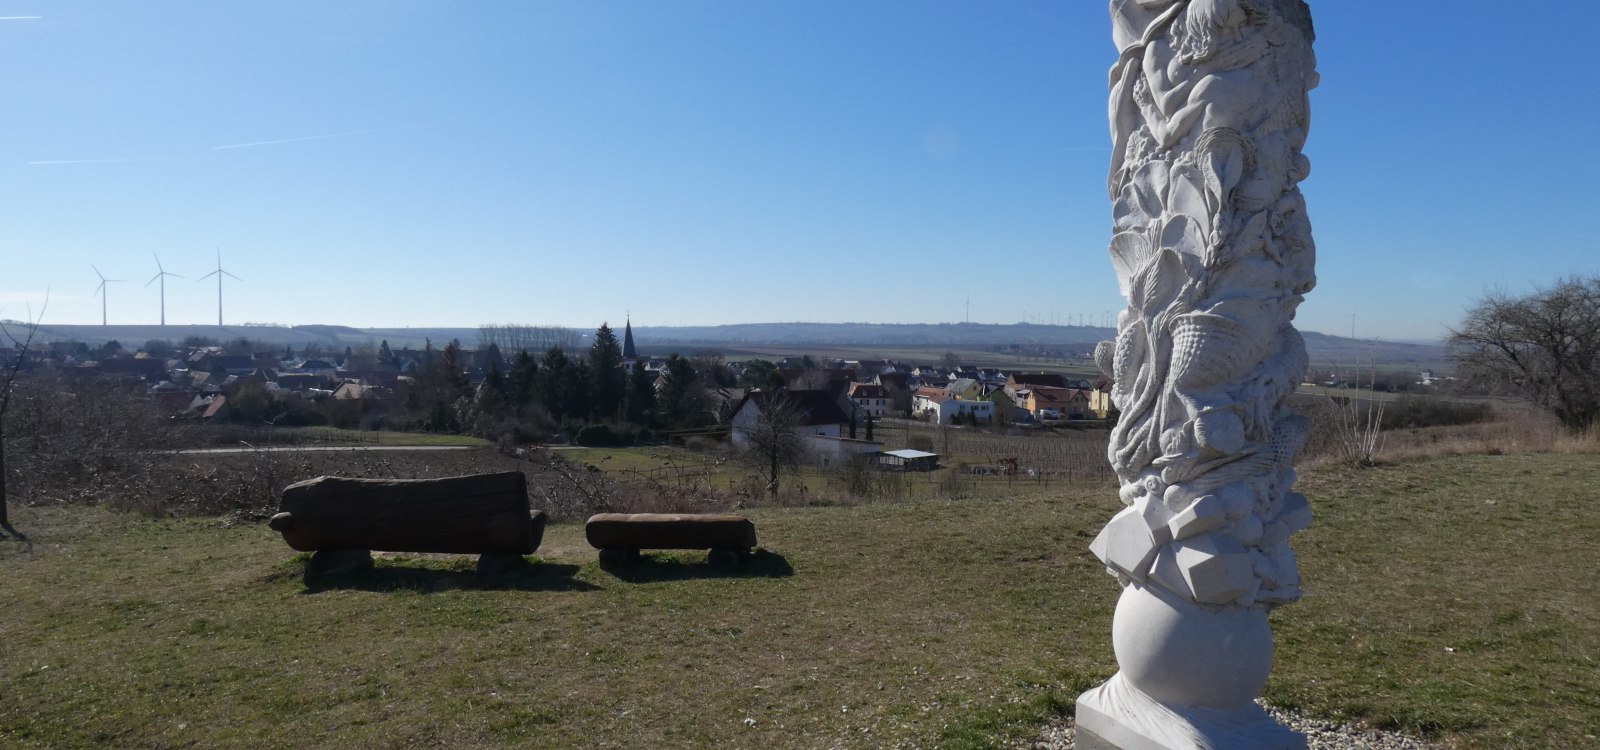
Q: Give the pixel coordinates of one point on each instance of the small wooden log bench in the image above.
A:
(343, 520)
(620, 536)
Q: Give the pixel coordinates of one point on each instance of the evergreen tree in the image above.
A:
(158, 348)
(522, 382)
(493, 397)
(453, 369)
(443, 384)
(761, 373)
(489, 357)
(605, 371)
(552, 372)
(641, 394)
(385, 354)
(578, 390)
(682, 396)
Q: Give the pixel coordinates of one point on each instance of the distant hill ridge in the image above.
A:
(1322, 347)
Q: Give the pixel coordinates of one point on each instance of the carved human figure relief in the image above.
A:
(1212, 249)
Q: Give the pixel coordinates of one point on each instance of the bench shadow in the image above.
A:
(404, 575)
(7, 531)
(649, 568)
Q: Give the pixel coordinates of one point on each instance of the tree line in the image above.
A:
(527, 396)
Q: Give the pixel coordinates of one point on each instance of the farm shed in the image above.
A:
(909, 460)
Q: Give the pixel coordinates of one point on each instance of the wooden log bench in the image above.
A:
(343, 520)
(620, 536)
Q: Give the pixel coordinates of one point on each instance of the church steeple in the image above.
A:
(629, 354)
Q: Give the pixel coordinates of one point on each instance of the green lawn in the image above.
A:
(1454, 597)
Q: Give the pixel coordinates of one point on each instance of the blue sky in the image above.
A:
(454, 163)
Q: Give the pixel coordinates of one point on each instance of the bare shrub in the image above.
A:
(857, 478)
(73, 439)
(1344, 429)
(678, 487)
(1068, 455)
(570, 492)
(508, 432)
(1412, 410)
(1511, 432)
(1361, 430)
(701, 443)
(957, 482)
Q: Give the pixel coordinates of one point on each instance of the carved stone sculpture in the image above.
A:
(1213, 250)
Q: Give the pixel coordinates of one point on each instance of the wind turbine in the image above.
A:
(101, 290)
(219, 273)
(162, 274)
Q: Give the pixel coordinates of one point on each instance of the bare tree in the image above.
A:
(1545, 345)
(514, 337)
(7, 388)
(812, 380)
(775, 441)
(712, 369)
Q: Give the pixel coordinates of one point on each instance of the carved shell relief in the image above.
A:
(1213, 250)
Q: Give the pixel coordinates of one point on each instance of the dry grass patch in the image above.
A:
(1448, 597)
(1452, 597)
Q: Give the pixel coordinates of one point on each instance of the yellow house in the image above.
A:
(1100, 399)
(1046, 402)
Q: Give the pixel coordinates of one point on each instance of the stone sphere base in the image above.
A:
(1186, 654)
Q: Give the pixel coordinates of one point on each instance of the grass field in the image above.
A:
(376, 437)
(1452, 598)
(926, 355)
(969, 464)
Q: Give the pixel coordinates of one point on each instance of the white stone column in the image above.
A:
(1213, 250)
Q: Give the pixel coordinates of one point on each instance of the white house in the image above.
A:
(827, 451)
(820, 414)
(942, 408)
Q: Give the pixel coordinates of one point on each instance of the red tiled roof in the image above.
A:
(1044, 394)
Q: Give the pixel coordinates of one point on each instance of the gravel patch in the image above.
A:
(1320, 735)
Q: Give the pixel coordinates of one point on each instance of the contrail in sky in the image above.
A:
(49, 162)
(252, 144)
(21, 18)
(314, 137)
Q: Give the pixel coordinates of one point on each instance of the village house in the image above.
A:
(819, 413)
(965, 388)
(1100, 399)
(1045, 402)
(870, 399)
(824, 426)
(936, 404)
(312, 367)
(893, 380)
